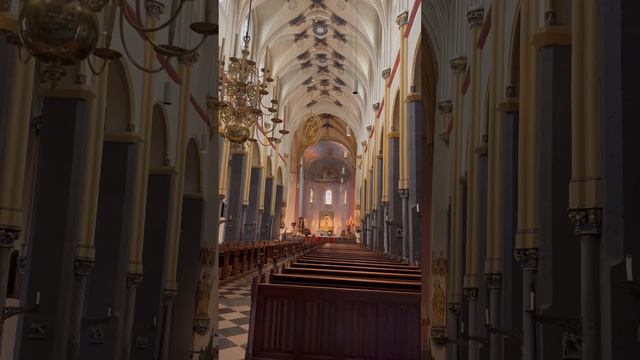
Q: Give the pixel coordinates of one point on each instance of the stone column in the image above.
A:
(403, 183)
(133, 282)
(496, 205)
(471, 282)
(266, 213)
(386, 160)
(252, 218)
(236, 186)
(15, 112)
(454, 296)
(585, 202)
(275, 228)
(420, 168)
(53, 270)
(494, 281)
(526, 249)
(136, 236)
(8, 236)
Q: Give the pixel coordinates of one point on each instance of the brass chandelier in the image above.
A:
(66, 32)
(242, 91)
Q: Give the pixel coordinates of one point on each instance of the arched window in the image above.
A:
(328, 197)
(311, 196)
(345, 197)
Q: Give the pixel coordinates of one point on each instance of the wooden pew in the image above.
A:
(304, 323)
(337, 302)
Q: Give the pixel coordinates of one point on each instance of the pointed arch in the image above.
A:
(193, 170)
(159, 152)
(119, 108)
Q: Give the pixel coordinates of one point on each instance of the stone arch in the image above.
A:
(513, 75)
(256, 159)
(269, 167)
(279, 176)
(193, 170)
(119, 107)
(159, 151)
(395, 112)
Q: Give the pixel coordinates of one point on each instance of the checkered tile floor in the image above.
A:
(233, 322)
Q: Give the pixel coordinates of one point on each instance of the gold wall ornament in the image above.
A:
(310, 132)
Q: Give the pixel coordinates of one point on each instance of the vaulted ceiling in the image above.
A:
(318, 47)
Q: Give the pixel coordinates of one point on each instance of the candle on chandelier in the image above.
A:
(267, 60)
(235, 45)
(221, 51)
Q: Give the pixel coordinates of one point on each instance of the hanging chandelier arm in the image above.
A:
(128, 53)
(93, 69)
(135, 22)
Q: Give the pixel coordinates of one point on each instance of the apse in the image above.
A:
(327, 189)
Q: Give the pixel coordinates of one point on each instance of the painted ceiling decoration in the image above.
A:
(319, 47)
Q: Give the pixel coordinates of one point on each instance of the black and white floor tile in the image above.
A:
(234, 308)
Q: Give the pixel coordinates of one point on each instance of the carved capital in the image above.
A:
(458, 65)
(475, 17)
(83, 266)
(471, 294)
(404, 193)
(376, 106)
(154, 8)
(445, 107)
(454, 308)
(494, 280)
(201, 324)
(403, 18)
(386, 73)
(169, 295)
(587, 221)
(9, 235)
(528, 258)
(134, 280)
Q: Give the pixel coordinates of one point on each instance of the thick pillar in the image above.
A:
(138, 219)
(236, 185)
(454, 286)
(16, 81)
(379, 211)
(394, 222)
(557, 288)
(403, 182)
(585, 202)
(189, 262)
(476, 148)
(266, 214)
(102, 337)
(387, 185)
(275, 227)
(149, 307)
(52, 269)
(420, 170)
(251, 218)
(526, 249)
(185, 64)
(496, 206)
